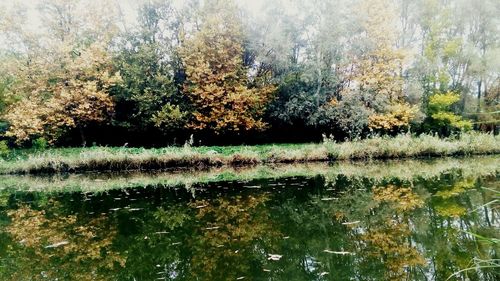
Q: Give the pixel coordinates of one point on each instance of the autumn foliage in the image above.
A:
(217, 82)
(229, 72)
(399, 116)
(376, 72)
(69, 98)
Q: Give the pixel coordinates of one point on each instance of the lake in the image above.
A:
(392, 220)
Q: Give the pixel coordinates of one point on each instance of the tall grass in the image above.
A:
(118, 159)
(477, 264)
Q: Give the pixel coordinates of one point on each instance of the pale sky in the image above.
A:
(129, 8)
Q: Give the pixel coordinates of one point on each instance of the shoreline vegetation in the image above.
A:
(377, 171)
(97, 159)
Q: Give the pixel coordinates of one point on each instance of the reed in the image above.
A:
(64, 160)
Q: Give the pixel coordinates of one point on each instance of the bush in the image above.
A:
(39, 144)
(4, 148)
(347, 118)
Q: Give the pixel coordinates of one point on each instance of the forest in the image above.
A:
(157, 73)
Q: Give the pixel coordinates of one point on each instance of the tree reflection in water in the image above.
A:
(293, 228)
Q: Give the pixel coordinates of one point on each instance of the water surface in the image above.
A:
(399, 220)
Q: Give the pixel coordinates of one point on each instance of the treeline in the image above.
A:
(292, 71)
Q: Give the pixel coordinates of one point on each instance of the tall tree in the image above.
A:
(70, 98)
(149, 98)
(63, 77)
(217, 82)
(482, 46)
(376, 71)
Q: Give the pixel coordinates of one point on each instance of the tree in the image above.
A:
(72, 98)
(376, 71)
(482, 51)
(303, 44)
(440, 117)
(64, 75)
(149, 99)
(217, 83)
(6, 81)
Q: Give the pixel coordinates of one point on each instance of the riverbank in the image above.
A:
(376, 172)
(71, 160)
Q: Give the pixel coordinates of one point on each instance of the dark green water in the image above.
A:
(315, 227)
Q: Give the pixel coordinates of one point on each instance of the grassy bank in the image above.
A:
(127, 159)
(402, 171)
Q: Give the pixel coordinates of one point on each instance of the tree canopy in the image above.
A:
(155, 72)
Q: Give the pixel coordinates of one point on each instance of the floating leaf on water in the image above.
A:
(58, 244)
(352, 222)
(338, 252)
(274, 257)
(212, 228)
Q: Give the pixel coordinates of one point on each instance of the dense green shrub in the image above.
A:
(4, 148)
(39, 144)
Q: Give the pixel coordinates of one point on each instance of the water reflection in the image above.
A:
(324, 227)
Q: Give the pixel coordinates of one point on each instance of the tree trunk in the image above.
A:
(82, 137)
(320, 78)
(479, 85)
